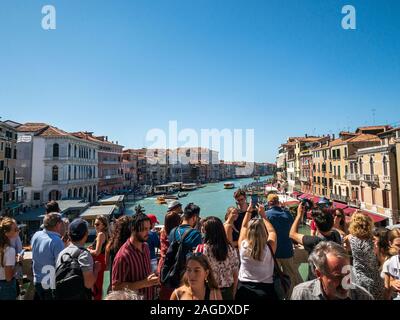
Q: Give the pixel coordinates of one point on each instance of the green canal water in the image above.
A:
(212, 199)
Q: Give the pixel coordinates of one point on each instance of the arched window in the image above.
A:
(361, 166)
(385, 166)
(56, 150)
(75, 151)
(54, 173)
(69, 150)
(371, 165)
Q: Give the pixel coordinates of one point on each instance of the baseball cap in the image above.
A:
(173, 204)
(153, 218)
(78, 228)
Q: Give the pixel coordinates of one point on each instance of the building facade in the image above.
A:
(9, 200)
(55, 164)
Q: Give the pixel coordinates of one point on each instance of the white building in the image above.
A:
(56, 165)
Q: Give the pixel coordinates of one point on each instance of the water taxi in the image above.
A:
(229, 185)
(161, 200)
(189, 186)
(163, 189)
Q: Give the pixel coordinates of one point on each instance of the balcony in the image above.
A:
(386, 179)
(353, 177)
(339, 198)
(372, 178)
(354, 203)
(304, 179)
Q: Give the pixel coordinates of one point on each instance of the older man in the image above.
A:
(333, 282)
(46, 246)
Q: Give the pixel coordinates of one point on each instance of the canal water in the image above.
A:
(212, 199)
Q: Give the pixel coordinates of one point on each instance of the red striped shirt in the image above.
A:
(132, 265)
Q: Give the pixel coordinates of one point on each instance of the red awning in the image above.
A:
(339, 205)
(314, 199)
(304, 196)
(376, 218)
(349, 211)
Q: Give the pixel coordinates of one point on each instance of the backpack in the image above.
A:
(70, 284)
(175, 260)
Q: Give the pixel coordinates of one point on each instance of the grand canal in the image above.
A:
(213, 200)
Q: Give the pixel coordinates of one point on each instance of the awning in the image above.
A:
(304, 196)
(12, 205)
(339, 205)
(349, 211)
(314, 199)
(376, 218)
(295, 194)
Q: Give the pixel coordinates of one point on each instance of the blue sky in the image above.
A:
(120, 68)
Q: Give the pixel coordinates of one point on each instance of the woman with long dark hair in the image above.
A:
(171, 221)
(120, 234)
(198, 281)
(339, 222)
(98, 251)
(221, 255)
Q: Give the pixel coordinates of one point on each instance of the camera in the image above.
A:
(307, 204)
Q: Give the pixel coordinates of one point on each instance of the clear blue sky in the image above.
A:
(120, 68)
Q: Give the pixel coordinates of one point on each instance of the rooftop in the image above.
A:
(98, 211)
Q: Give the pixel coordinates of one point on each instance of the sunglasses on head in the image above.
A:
(193, 254)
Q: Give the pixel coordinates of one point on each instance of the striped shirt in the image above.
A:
(132, 265)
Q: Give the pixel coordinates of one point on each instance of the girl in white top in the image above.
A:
(8, 230)
(391, 267)
(257, 239)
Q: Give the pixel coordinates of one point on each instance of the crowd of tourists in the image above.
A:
(249, 256)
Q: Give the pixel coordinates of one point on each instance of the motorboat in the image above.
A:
(229, 185)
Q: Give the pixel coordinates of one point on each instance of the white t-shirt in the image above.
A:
(254, 270)
(394, 268)
(385, 268)
(8, 261)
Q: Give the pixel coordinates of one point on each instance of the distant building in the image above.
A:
(111, 176)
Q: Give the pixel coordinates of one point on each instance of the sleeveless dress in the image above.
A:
(98, 286)
(366, 267)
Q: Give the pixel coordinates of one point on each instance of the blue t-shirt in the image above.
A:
(192, 240)
(154, 242)
(282, 221)
(46, 246)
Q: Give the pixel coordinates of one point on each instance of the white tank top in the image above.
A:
(254, 270)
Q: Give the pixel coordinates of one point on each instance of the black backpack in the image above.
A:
(175, 260)
(70, 284)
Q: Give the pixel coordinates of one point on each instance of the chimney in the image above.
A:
(333, 136)
(106, 138)
(116, 142)
(306, 135)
